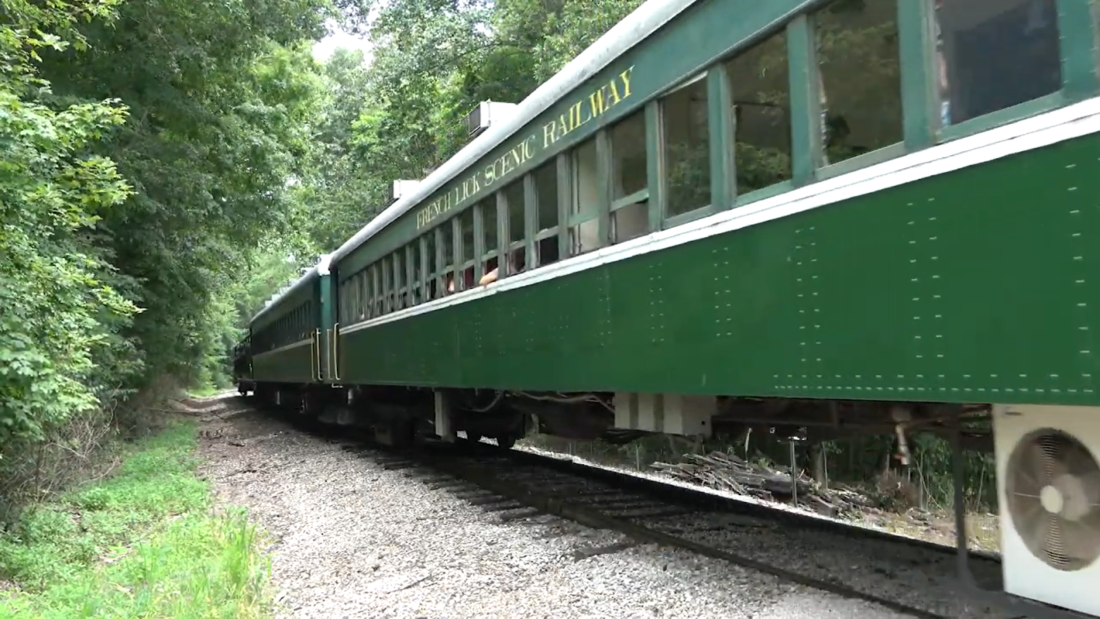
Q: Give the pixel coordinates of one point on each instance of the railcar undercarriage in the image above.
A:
(400, 414)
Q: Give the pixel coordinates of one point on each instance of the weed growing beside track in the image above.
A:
(146, 542)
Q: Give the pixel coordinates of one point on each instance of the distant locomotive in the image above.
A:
(726, 214)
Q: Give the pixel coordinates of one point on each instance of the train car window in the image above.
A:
(437, 285)
(427, 266)
(514, 202)
(687, 148)
(994, 54)
(859, 77)
(466, 268)
(362, 305)
(399, 283)
(412, 272)
(583, 224)
(546, 213)
(376, 287)
(386, 268)
(446, 242)
(629, 183)
(489, 244)
(762, 114)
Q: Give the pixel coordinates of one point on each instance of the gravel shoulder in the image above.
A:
(351, 539)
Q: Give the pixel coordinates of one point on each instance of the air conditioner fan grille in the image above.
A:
(1052, 488)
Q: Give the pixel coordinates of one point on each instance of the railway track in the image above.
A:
(909, 577)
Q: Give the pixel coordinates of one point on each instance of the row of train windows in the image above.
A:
(289, 328)
(989, 55)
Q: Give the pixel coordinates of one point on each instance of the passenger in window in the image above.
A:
(467, 278)
(516, 263)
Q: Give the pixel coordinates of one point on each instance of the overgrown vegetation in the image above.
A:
(142, 543)
(148, 153)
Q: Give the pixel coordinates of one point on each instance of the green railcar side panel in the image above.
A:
(980, 285)
(286, 365)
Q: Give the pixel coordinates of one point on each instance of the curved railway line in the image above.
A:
(907, 576)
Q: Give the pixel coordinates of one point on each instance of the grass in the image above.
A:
(144, 543)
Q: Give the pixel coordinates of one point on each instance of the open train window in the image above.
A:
(412, 273)
(399, 280)
(859, 77)
(514, 203)
(629, 183)
(584, 227)
(377, 291)
(546, 214)
(362, 304)
(687, 147)
(490, 246)
(762, 114)
(446, 270)
(994, 54)
(386, 269)
(428, 266)
(465, 280)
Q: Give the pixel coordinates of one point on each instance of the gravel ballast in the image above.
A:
(351, 539)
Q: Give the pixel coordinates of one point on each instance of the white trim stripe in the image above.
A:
(1029, 134)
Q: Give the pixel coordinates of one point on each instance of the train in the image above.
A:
(828, 217)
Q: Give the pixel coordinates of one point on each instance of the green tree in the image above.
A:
(57, 310)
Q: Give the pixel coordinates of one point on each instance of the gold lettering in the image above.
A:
(575, 112)
(598, 102)
(625, 77)
(595, 101)
(614, 97)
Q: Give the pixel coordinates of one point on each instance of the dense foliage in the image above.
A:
(149, 151)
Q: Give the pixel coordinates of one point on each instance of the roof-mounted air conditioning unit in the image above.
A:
(487, 113)
(401, 189)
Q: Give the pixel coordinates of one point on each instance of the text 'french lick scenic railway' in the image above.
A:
(876, 216)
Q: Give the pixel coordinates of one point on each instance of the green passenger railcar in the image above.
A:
(290, 339)
(869, 215)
